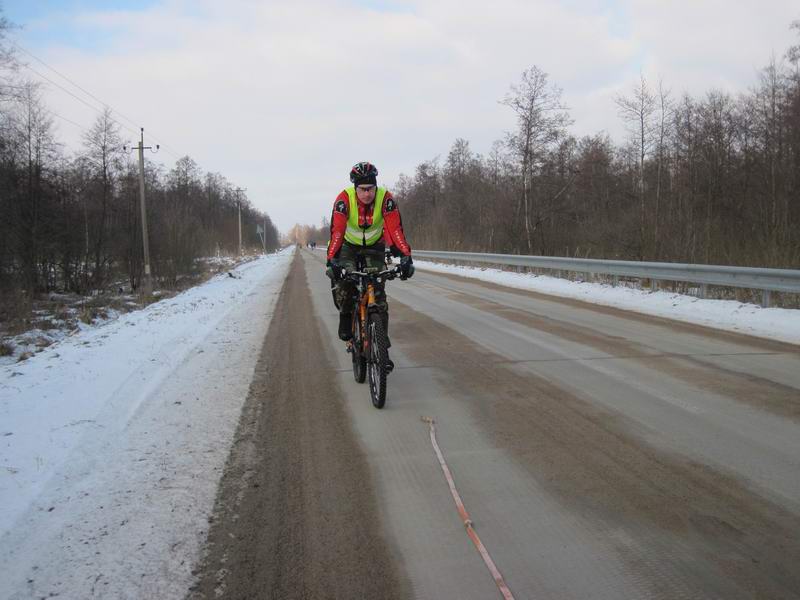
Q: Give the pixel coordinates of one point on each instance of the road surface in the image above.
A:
(600, 454)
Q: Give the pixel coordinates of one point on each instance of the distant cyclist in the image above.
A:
(365, 218)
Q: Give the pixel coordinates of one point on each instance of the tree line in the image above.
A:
(712, 179)
(72, 222)
(304, 234)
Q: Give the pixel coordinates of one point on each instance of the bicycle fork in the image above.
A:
(365, 302)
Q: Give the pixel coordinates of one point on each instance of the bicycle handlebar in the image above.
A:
(388, 273)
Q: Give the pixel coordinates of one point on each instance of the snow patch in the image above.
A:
(113, 440)
(774, 323)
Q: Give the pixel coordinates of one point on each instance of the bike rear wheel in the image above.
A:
(359, 360)
(378, 357)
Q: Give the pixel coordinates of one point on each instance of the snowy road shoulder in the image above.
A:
(773, 323)
(112, 441)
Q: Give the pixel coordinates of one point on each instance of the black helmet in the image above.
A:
(363, 172)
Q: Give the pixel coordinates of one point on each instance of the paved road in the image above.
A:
(601, 454)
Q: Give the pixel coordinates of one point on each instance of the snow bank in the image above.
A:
(112, 441)
(774, 323)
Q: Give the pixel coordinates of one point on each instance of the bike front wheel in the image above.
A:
(376, 362)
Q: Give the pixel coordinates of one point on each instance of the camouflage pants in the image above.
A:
(345, 293)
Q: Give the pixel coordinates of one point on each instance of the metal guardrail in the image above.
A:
(766, 280)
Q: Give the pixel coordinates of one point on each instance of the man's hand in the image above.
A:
(334, 270)
(406, 267)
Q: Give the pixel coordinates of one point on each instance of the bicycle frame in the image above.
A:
(365, 284)
(364, 303)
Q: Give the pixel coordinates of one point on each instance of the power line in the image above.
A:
(79, 99)
(88, 93)
(60, 74)
(94, 108)
(54, 70)
(55, 114)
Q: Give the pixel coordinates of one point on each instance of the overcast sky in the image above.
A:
(283, 96)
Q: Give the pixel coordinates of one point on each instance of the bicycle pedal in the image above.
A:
(349, 348)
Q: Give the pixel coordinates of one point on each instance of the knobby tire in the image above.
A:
(378, 357)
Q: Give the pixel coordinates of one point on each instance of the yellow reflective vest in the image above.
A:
(366, 235)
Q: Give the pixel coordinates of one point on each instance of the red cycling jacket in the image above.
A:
(392, 223)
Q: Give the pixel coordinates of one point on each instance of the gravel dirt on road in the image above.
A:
(296, 514)
(782, 400)
(687, 529)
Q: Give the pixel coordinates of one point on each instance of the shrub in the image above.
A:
(88, 314)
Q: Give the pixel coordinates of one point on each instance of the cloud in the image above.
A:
(282, 97)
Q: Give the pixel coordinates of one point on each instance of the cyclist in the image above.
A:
(365, 218)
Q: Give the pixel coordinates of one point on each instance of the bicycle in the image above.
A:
(368, 345)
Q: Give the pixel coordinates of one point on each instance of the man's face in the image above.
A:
(366, 193)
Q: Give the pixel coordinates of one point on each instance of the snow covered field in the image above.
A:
(112, 441)
(774, 323)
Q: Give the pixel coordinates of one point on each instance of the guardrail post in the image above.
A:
(765, 298)
(615, 281)
(703, 291)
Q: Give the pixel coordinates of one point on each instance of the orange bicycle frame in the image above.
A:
(367, 299)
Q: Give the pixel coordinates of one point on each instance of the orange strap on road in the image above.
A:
(462, 511)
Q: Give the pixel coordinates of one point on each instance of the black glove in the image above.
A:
(334, 270)
(406, 267)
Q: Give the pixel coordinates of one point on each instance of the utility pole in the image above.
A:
(147, 287)
(239, 205)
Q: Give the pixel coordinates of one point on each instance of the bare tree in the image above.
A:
(541, 121)
(637, 110)
(663, 131)
(793, 53)
(104, 155)
(771, 99)
(9, 88)
(34, 147)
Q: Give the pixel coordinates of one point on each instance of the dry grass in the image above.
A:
(42, 342)
(20, 312)
(16, 311)
(88, 314)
